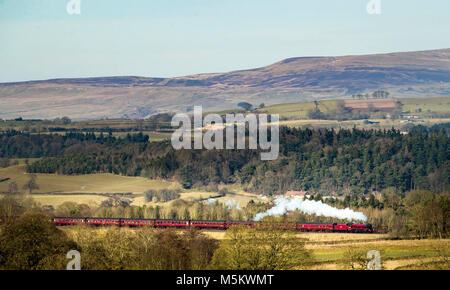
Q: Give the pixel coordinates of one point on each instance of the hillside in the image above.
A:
(429, 108)
(405, 74)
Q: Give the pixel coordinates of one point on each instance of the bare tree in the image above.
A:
(13, 188)
(31, 184)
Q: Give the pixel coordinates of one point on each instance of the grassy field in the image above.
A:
(240, 198)
(90, 183)
(331, 251)
(383, 123)
(154, 136)
(299, 111)
(83, 124)
(55, 189)
(394, 253)
(437, 104)
(189, 195)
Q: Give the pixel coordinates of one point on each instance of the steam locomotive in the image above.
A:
(202, 224)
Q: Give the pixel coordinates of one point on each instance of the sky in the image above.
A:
(39, 39)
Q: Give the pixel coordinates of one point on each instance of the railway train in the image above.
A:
(202, 224)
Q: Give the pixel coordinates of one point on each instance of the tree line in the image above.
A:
(320, 161)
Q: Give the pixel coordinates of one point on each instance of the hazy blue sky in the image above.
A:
(161, 38)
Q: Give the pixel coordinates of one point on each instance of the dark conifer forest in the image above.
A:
(320, 160)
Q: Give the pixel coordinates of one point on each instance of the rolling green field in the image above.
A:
(418, 106)
(436, 104)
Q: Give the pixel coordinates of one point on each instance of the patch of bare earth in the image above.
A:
(378, 104)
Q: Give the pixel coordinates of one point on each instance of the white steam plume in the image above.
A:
(232, 203)
(283, 205)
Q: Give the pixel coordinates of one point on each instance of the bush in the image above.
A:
(261, 248)
(4, 162)
(224, 191)
(33, 243)
(162, 195)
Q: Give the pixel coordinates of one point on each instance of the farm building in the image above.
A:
(293, 193)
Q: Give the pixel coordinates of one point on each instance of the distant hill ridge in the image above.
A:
(403, 74)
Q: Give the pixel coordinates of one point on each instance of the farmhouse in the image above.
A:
(293, 193)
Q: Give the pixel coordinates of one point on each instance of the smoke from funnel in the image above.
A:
(232, 203)
(283, 205)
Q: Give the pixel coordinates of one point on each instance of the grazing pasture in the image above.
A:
(334, 251)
